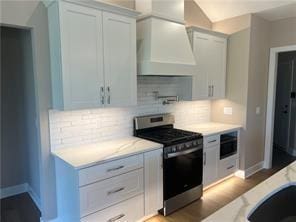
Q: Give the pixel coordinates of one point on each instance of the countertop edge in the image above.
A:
(80, 167)
(222, 131)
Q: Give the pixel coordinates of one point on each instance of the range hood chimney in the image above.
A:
(163, 46)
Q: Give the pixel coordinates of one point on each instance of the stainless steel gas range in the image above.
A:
(182, 159)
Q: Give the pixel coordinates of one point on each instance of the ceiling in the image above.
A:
(218, 10)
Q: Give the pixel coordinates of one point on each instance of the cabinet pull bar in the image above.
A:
(115, 191)
(116, 218)
(228, 168)
(109, 97)
(102, 96)
(115, 168)
(212, 141)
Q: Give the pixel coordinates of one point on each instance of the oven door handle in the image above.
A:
(170, 155)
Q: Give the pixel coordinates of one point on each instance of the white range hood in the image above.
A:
(163, 47)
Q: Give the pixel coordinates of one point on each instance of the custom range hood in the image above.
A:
(163, 47)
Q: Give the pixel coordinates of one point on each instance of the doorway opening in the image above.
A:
(284, 136)
(20, 169)
(280, 139)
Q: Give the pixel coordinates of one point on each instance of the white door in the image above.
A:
(201, 43)
(82, 56)
(153, 172)
(218, 48)
(283, 105)
(120, 60)
(210, 168)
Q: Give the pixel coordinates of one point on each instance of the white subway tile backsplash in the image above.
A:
(72, 128)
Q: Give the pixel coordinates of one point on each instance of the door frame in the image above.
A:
(271, 96)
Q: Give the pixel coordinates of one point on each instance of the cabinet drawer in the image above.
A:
(105, 193)
(210, 141)
(130, 210)
(228, 166)
(110, 169)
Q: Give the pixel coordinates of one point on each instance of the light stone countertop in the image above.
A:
(239, 209)
(87, 155)
(211, 128)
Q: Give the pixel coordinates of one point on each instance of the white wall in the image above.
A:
(94, 125)
(20, 150)
(33, 14)
(30, 117)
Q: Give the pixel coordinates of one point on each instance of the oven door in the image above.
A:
(182, 171)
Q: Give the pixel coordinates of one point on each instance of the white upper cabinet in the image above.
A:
(210, 49)
(120, 60)
(93, 55)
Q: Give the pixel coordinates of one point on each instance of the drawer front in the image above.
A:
(130, 210)
(210, 141)
(110, 169)
(228, 166)
(105, 193)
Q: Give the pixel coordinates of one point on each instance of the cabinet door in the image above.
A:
(120, 60)
(153, 181)
(82, 56)
(218, 48)
(201, 43)
(210, 168)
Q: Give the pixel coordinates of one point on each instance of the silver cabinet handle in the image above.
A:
(115, 191)
(161, 156)
(205, 159)
(228, 168)
(209, 91)
(212, 141)
(212, 90)
(113, 219)
(102, 92)
(115, 168)
(109, 96)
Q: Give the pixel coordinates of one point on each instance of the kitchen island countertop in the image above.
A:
(239, 209)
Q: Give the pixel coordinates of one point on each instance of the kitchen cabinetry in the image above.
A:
(153, 181)
(126, 189)
(210, 49)
(215, 168)
(210, 168)
(93, 55)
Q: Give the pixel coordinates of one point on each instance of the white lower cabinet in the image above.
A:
(130, 211)
(228, 166)
(103, 194)
(210, 168)
(153, 181)
(215, 169)
(127, 189)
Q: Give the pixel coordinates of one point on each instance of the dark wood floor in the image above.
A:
(21, 208)
(218, 196)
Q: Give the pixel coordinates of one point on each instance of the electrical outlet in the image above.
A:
(228, 110)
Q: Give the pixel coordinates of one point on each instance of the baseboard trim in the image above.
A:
(34, 197)
(250, 171)
(13, 190)
(21, 188)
